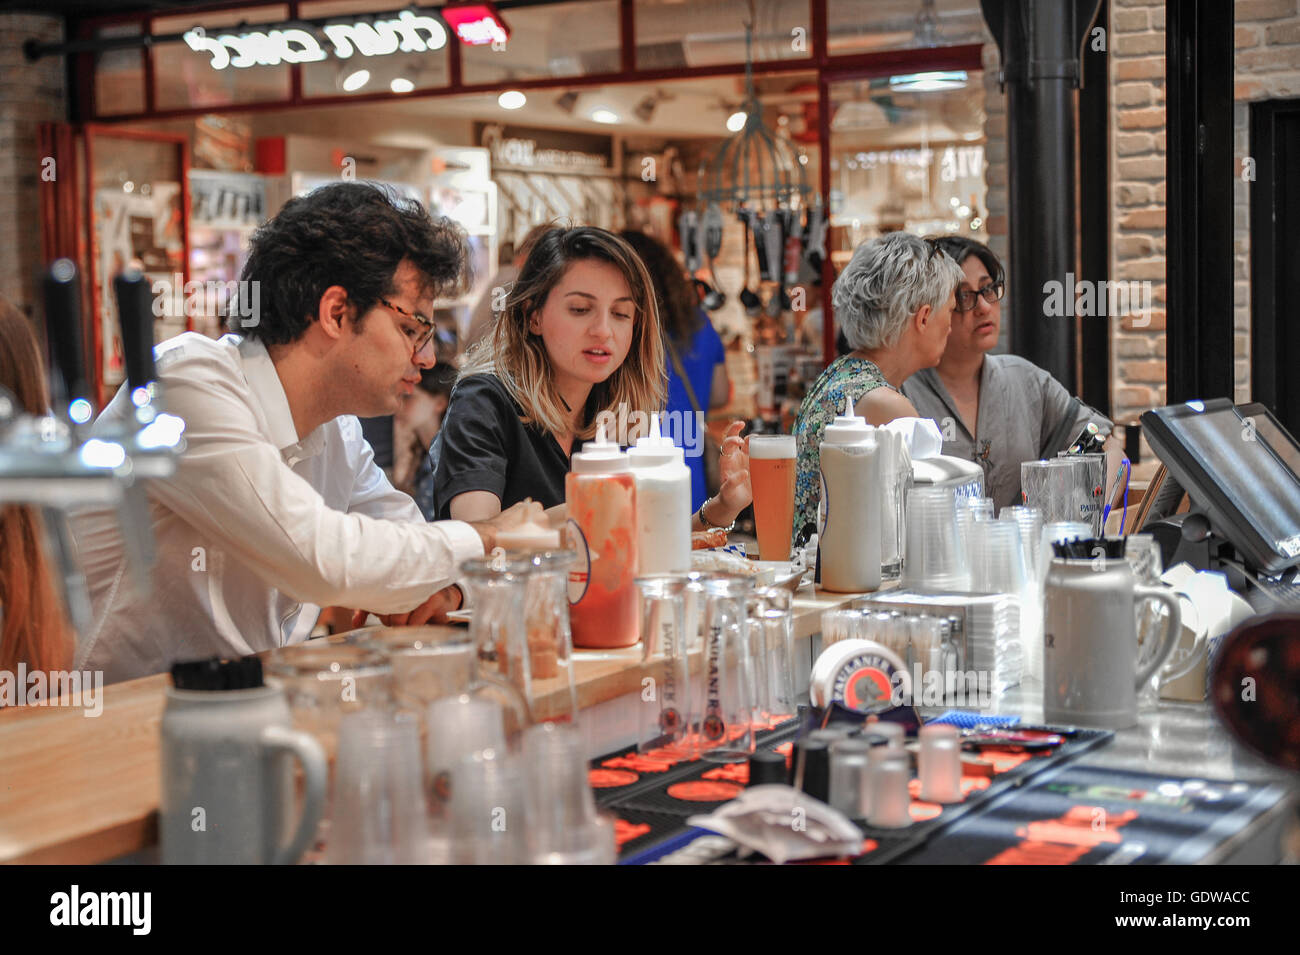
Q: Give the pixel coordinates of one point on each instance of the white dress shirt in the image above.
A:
(257, 529)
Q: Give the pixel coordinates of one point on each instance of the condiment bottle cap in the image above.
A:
(849, 427)
(654, 449)
(601, 456)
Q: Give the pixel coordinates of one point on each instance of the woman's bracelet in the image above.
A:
(708, 524)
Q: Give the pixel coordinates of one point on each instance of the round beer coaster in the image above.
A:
(611, 778)
(704, 791)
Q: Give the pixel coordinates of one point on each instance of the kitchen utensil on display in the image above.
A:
(748, 298)
(227, 751)
(1090, 671)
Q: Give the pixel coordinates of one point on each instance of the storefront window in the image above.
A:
(866, 26)
(906, 159)
(119, 74)
(562, 39)
(398, 72)
(186, 78)
(674, 33)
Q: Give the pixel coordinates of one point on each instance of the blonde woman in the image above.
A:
(579, 335)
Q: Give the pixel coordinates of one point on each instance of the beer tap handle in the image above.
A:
(63, 325)
(135, 309)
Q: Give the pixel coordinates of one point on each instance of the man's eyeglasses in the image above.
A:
(430, 329)
(966, 298)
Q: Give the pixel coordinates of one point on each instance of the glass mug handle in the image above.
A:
(303, 746)
(1173, 629)
(1178, 670)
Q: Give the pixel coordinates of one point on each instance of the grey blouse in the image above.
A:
(1024, 414)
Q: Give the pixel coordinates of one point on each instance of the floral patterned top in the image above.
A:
(824, 401)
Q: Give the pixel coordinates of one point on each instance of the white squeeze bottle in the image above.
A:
(663, 503)
(849, 522)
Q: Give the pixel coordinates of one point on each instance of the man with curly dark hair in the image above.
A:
(277, 507)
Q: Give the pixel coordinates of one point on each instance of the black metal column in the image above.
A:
(1275, 258)
(1040, 42)
(1199, 271)
(1094, 213)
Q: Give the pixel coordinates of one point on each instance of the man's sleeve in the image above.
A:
(232, 484)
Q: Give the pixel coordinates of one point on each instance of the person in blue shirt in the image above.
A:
(697, 369)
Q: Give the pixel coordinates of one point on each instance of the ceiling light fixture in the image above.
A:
(602, 114)
(928, 82)
(401, 85)
(355, 81)
(736, 121)
(511, 99)
(567, 101)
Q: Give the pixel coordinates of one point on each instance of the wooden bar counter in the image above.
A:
(79, 789)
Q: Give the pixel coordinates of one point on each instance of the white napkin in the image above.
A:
(783, 824)
(921, 436)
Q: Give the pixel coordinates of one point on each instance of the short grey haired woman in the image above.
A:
(894, 303)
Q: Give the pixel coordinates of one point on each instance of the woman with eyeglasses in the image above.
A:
(893, 303)
(997, 410)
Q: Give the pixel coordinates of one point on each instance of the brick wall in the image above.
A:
(30, 93)
(1267, 39)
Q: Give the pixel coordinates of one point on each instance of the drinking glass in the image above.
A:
(563, 826)
(771, 475)
(940, 763)
(458, 727)
(552, 689)
(771, 629)
(666, 718)
(487, 822)
(324, 680)
(726, 732)
(379, 806)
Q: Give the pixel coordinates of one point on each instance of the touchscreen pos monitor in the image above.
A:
(1234, 468)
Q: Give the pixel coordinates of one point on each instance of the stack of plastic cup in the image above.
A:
(563, 825)
(936, 561)
(939, 765)
(1030, 522)
(380, 817)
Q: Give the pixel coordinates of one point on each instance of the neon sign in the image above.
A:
(407, 33)
(477, 24)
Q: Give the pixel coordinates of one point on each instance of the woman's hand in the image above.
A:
(736, 493)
